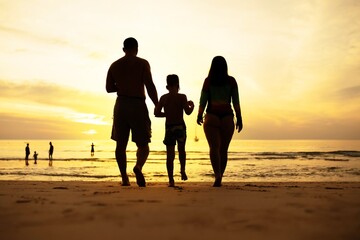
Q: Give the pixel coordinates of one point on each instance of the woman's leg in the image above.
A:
(227, 131)
(212, 133)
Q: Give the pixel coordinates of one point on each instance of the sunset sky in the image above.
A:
(297, 63)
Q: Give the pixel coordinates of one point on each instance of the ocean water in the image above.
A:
(249, 160)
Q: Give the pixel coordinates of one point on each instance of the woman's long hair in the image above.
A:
(218, 73)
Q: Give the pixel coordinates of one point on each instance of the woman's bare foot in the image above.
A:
(172, 183)
(183, 176)
(217, 182)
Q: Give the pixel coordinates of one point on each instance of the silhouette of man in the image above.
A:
(51, 151)
(27, 153)
(129, 76)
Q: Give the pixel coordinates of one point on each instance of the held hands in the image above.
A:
(189, 107)
(200, 120)
(190, 104)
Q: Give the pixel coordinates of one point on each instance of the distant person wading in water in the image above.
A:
(92, 149)
(27, 153)
(35, 157)
(51, 151)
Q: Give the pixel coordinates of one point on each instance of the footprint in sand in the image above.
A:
(62, 188)
(23, 201)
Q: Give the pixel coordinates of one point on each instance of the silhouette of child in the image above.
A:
(35, 157)
(174, 105)
(92, 149)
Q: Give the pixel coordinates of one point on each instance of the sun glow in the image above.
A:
(90, 132)
(296, 62)
(87, 118)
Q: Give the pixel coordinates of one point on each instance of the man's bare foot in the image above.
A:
(140, 180)
(125, 181)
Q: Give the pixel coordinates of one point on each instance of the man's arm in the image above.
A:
(150, 86)
(110, 83)
(158, 107)
(151, 90)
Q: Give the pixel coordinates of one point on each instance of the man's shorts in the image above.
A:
(175, 133)
(131, 114)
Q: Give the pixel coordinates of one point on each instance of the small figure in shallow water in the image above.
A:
(35, 157)
(92, 149)
(51, 151)
(27, 153)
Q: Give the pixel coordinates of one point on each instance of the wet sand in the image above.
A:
(106, 210)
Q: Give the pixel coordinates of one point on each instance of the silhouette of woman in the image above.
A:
(218, 91)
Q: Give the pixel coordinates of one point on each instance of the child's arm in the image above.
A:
(188, 106)
(158, 107)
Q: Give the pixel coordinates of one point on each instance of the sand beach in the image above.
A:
(192, 210)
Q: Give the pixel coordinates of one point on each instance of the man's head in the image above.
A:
(130, 45)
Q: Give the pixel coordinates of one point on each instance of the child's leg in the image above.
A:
(182, 159)
(170, 155)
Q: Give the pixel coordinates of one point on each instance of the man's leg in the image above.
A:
(141, 155)
(120, 154)
(141, 134)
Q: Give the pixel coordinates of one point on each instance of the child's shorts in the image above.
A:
(175, 133)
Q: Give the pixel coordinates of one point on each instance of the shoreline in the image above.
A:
(191, 210)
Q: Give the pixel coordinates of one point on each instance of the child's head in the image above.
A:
(172, 80)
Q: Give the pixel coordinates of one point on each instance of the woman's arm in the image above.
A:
(236, 103)
(204, 97)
